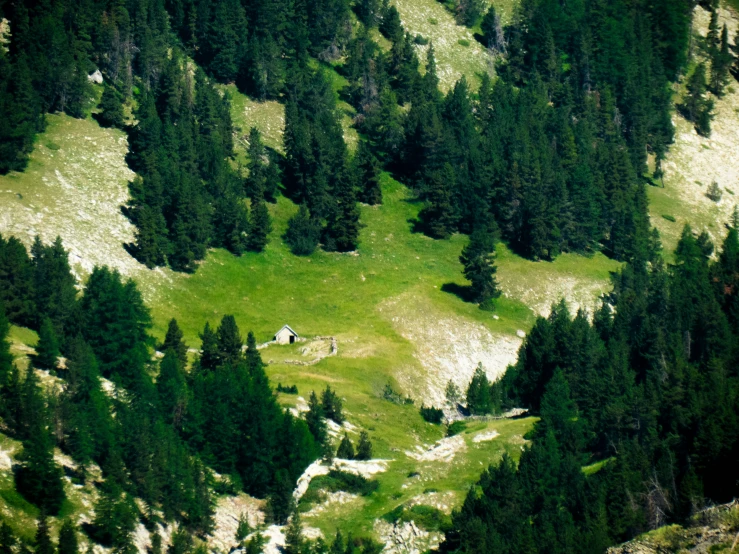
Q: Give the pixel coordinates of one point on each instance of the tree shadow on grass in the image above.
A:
(464, 292)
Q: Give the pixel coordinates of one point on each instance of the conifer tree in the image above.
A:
(316, 420)
(342, 227)
(480, 270)
(43, 543)
(439, 216)
(174, 340)
(367, 171)
(364, 447)
(172, 388)
(8, 540)
(695, 106)
(68, 543)
(721, 60)
(260, 225)
(478, 393)
(346, 449)
(16, 282)
(39, 478)
(208, 348)
(6, 358)
(256, 181)
(332, 405)
(111, 108)
(229, 341)
(294, 541)
(47, 349)
(303, 232)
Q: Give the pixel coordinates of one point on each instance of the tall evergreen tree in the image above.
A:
(479, 269)
(174, 340)
(47, 349)
(68, 542)
(260, 225)
(303, 232)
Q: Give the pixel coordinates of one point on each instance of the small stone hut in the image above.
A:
(285, 335)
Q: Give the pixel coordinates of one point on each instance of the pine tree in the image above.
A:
(721, 60)
(16, 282)
(39, 478)
(695, 106)
(43, 543)
(332, 405)
(342, 227)
(364, 447)
(316, 420)
(478, 393)
(172, 388)
(480, 270)
(303, 232)
(68, 543)
(439, 217)
(8, 540)
(47, 349)
(452, 393)
(294, 541)
(174, 340)
(111, 108)
(260, 226)
(6, 358)
(209, 358)
(256, 182)
(346, 449)
(229, 341)
(367, 170)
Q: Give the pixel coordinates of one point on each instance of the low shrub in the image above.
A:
(431, 414)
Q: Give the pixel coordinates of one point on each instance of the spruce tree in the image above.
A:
(294, 541)
(260, 225)
(229, 341)
(346, 449)
(439, 216)
(111, 108)
(174, 340)
(367, 173)
(47, 349)
(42, 541)
(316, 420)
(342, 227)
(721, 60)
(68, 543)
(208, 348)
(303, 232)
(332, 405)
(256, 181)
(364, 447)
(6, 358)
(479, 269)
(8, 540)
(39, 478)
(695, 106)
(172, 388)
(478, 393)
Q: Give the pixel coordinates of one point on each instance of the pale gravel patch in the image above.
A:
(442, 451)
(550, 288)
(485, 436)
(228, 511)
(442, 501)
(406, 538)
(448, 347)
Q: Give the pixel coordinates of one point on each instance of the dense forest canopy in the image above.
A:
(552, 155)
